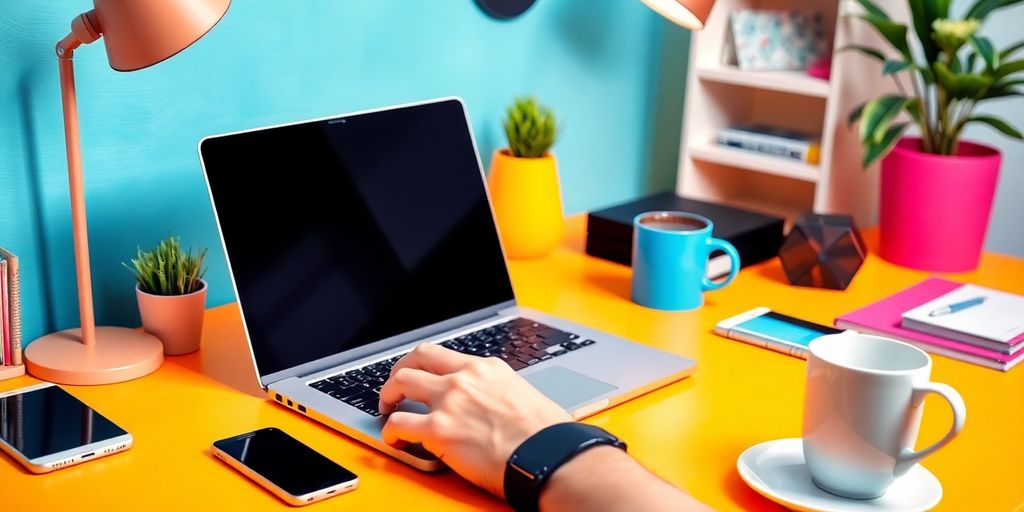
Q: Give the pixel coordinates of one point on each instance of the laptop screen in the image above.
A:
(348, 231)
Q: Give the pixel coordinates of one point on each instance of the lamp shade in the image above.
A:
(140, 33)
(686, 13)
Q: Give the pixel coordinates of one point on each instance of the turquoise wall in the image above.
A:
(613, 71)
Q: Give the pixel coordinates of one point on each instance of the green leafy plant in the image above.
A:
(531, 128)
(949, 73)
(167, 269)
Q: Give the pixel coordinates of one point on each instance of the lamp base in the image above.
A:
(119, 354)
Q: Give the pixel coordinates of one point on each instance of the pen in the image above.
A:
(957, 306)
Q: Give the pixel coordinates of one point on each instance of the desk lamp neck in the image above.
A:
(84, 30)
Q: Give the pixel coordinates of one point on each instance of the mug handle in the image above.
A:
(734, 257)
(909, 457)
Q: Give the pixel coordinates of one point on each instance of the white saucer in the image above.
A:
(776, 470)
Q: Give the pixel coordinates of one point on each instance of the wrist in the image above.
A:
(528, 470)
(567, 482)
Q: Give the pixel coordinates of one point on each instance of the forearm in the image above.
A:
(607, 479)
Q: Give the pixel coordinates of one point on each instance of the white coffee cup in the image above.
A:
(862, 410)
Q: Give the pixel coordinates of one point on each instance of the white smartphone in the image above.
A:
(45, 428)
(774, 331)
(283, 465)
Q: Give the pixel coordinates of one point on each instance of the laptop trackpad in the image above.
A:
(566, 387)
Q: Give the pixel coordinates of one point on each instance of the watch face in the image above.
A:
(504, 9)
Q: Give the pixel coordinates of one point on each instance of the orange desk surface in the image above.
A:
(690, 433)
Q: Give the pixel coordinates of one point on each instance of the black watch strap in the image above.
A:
(541, 454)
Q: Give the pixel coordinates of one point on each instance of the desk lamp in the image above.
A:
(139, 33)
(686, 13)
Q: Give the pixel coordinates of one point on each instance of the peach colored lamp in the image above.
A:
(686, 13)
(139, 33)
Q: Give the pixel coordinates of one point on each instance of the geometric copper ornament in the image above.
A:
(823, 251)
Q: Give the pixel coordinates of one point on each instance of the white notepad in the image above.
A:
(1000, 318)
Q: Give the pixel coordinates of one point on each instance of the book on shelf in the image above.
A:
(12, 305)
(772, 141)
(5, 317)
(885, 318)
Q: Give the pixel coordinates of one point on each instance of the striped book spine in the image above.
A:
(5, 300)
(14, 303)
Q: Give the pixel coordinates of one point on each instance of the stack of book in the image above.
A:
(967, 322)
(772, 141)
(10, 316)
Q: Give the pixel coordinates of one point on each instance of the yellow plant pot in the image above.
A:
(527, 203)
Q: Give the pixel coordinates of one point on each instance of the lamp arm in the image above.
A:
(84, 30)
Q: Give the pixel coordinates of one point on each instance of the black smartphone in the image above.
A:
(294, 472)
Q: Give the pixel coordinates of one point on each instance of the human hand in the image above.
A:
(480, 411)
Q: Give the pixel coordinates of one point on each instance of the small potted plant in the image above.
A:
(936, 189)
(171, 294)
(524, 182)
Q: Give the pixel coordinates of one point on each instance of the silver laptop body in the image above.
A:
(601, 371)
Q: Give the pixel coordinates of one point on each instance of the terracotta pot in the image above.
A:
(527, 203)
(176, 319)
(934, 209)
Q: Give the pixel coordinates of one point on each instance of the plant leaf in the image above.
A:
(999, 124)
(915, 110)
(983, 46)
(954, 65)
(983, 8)
(855, 114)
(1010, 50)
(895, 33)
(876, 150)
(873, 9)
(866, 50)
(1002, 91)
(924, 13)
(892, 67)
(1009, 68)
(878, 114)
(961, 85)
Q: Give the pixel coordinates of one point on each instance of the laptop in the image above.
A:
(354, 238)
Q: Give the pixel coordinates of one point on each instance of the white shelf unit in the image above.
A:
(720, 95)
(796, 82)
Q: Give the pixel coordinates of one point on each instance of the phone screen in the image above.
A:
(282, 459)
(49, 420)
(782, 327)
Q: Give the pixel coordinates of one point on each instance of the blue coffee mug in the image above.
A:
(670, 259)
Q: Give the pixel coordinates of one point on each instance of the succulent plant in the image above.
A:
(531, 128)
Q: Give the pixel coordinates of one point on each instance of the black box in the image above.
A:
(756, 236)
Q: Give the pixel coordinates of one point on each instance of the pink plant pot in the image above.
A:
(935, 209)
(176, 319)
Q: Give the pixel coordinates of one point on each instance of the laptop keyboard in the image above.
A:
(519, 342)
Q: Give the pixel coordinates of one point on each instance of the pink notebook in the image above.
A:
(883, 318)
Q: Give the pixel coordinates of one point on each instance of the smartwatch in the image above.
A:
(541, 454)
